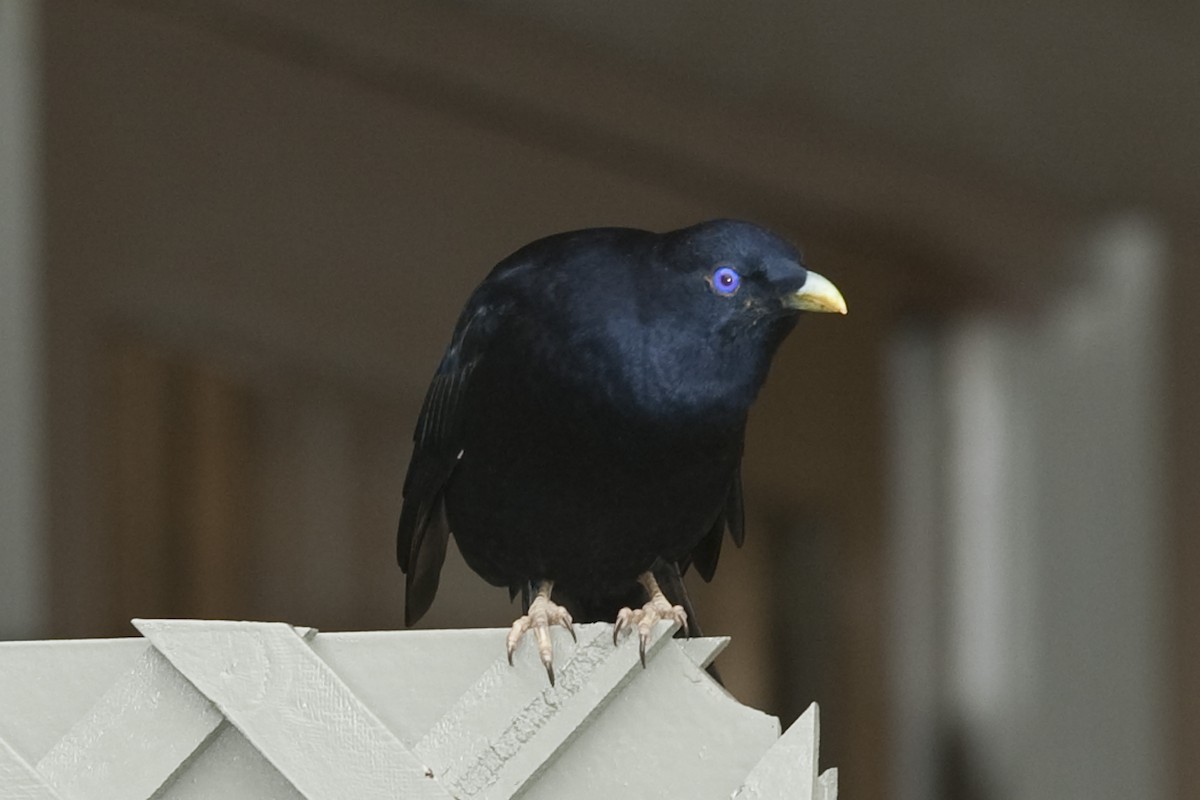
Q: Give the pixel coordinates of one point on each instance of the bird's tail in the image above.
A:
(670, 580)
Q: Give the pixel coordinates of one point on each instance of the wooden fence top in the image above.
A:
(201, 708)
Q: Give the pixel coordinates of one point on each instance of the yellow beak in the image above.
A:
(817, 294)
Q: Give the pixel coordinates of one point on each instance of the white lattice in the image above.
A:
(264, 710)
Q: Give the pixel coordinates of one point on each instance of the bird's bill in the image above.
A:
(817, 294)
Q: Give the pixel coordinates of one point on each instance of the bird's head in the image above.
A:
(687, 320)
(738, 278)
(713, 303)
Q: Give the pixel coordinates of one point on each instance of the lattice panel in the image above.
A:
(264, 710)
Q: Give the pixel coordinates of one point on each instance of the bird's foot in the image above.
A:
(645, 618)
(543, 613)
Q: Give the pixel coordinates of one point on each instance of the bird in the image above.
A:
(582, 435)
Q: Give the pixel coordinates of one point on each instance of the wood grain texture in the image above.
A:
(293, 708)
(18, 780)
(135, 737)
(271, 712)
(506, 729)
(789, 767)
(670, 733)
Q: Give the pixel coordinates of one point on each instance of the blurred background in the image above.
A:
(235, 235)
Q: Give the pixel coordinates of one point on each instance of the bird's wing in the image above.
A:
(731, 518)
(437, 444)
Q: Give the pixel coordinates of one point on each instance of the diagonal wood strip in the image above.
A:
(134, 738)
(789, 768)
(827, 785)
(704, 650)
(293, 708)
(18, 780)
(511, 724)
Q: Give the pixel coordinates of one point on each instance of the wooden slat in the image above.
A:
(789, 768)
(827, 785)
(18, 780)
(703, 650)
(620, 729)
(504, 730)
(134, 738)
(293, 708)
(670, 732)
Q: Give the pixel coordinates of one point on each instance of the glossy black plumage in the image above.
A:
(587, 420)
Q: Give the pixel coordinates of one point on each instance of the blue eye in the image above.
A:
(725, 281)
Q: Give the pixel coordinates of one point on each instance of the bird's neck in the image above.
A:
(714, 383)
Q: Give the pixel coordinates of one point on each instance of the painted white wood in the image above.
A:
(511, 723)
(827, 784)
(412, 678)
(118, 749)
(47, 687)
(789, 768)
(252, 710)
(20, 781)
(703, 651)
(229, 768)
(670, 733)
(291, 706)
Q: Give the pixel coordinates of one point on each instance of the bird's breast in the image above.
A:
(573, 477)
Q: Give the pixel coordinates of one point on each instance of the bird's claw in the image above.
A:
(542, 614)
(645, 618)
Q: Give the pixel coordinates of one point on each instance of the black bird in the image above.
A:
(584, 429)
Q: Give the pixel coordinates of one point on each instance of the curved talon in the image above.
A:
(644, 618)
(624, 619)
(543, 613)
(514, 635)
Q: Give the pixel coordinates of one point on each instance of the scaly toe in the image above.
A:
(625, 618)
(514, 635)
(543, 613)
(645, 618)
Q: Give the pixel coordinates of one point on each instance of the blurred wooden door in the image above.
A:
(179, 485)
